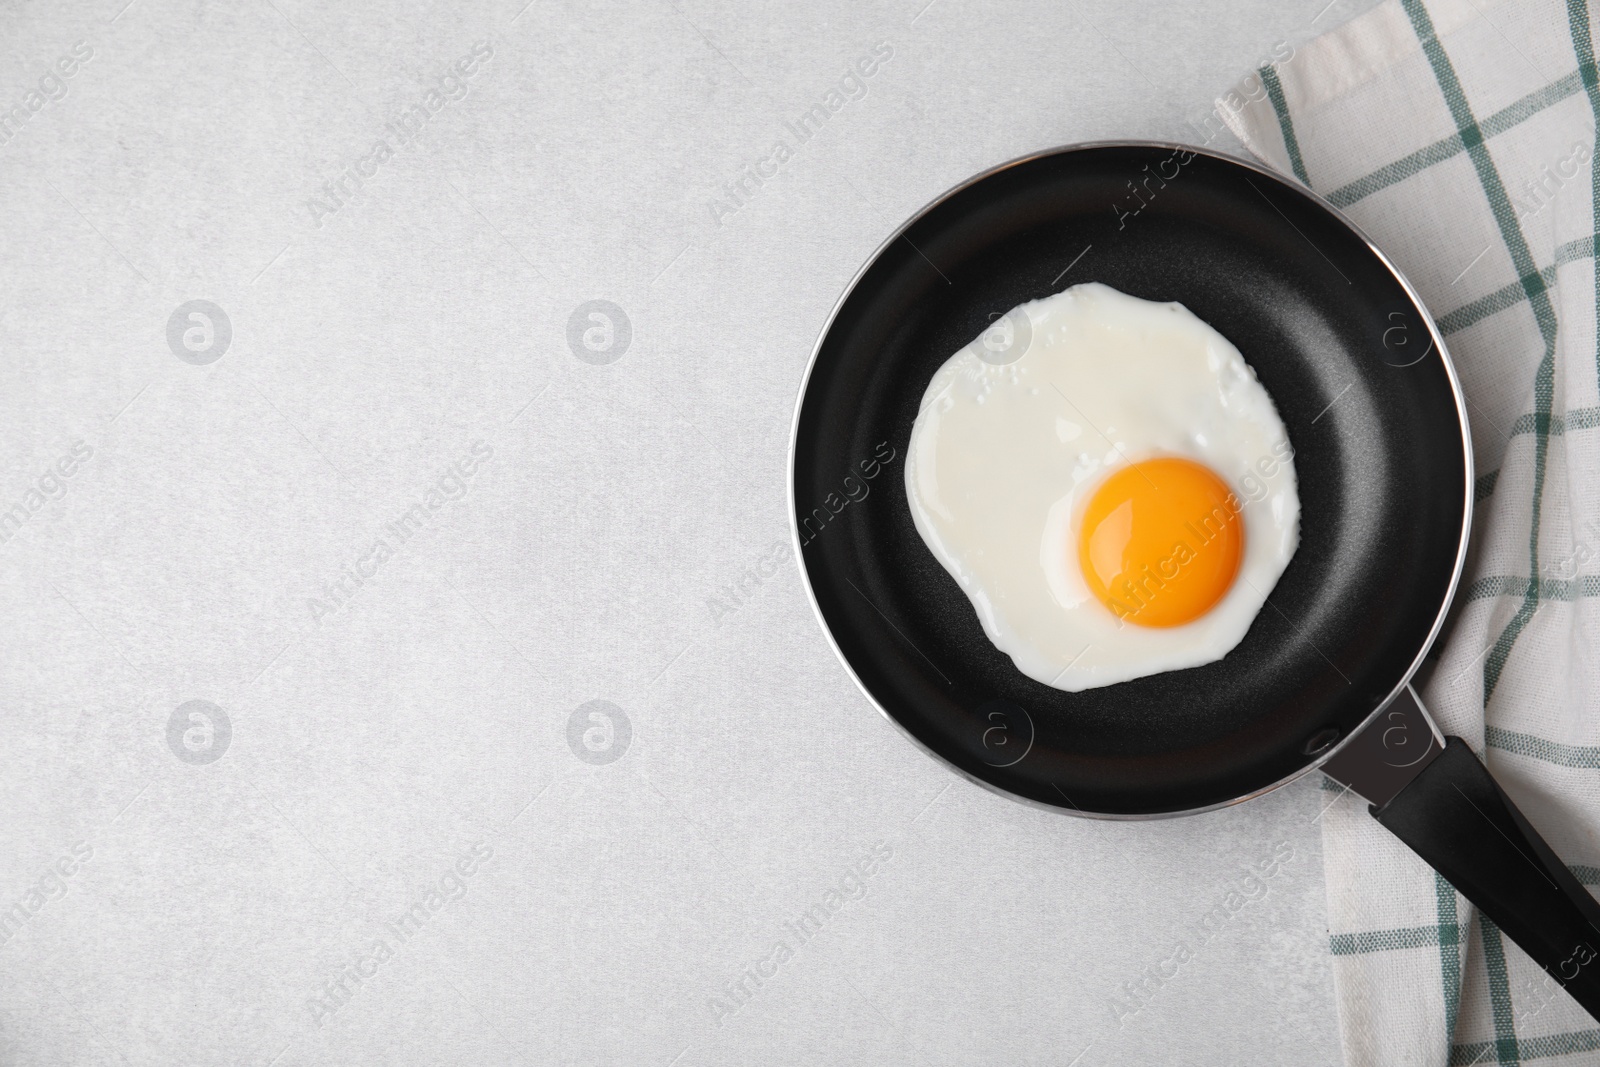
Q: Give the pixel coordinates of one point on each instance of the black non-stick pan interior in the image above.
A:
(1348, 357)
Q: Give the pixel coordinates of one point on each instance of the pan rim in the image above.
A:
(1433, 332)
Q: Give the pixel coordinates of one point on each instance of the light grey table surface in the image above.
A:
(387, 835)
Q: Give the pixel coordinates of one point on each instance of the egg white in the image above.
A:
(1019, 427)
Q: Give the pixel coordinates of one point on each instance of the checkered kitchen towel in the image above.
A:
(1460, 135)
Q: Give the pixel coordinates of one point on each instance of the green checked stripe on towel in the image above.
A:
(1460, 135)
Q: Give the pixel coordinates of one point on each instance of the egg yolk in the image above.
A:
(1161, 541)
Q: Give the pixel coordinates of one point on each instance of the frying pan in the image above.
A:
(1376, 417)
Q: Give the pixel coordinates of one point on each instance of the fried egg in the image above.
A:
(1109, 484)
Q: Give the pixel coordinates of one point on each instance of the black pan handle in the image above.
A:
(1454, 815)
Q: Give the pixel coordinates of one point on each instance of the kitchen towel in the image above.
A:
(1459, 134)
